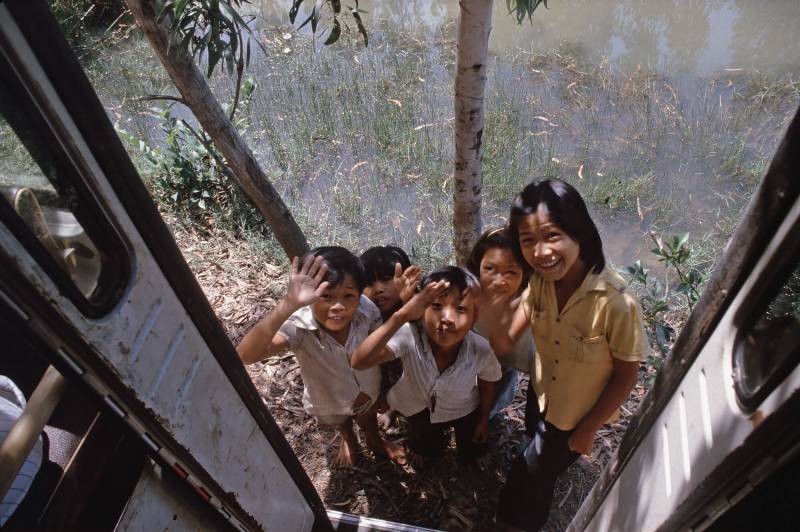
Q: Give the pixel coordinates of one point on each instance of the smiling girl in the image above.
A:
(589, 337)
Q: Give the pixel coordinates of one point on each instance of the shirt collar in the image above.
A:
(607, 279)
(304, 319)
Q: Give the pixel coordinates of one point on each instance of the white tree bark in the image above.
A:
(474, 25)
(198, 96)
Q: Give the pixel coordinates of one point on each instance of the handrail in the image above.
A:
(22, 437)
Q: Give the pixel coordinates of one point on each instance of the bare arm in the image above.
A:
(305, 287)
(372, 350)
(505, 335)
(622, 381)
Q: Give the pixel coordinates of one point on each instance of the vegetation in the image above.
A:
(187, 172)
(658, 297)
(364, 135)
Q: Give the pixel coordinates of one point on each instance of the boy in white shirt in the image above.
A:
(449, 371)
(322, 318)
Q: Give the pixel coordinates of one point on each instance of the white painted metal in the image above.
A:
(151, 344)
(154, 505)
(701, 425)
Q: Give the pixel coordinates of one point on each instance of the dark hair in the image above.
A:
(379, 262)
(459, 278)
(499, 237)
(569, 213)
(340, 263)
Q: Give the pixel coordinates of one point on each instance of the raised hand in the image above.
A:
(406, 282)
(415, 308)
(306, 282)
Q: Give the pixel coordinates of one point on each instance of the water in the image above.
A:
(690, 36)
(664, 114)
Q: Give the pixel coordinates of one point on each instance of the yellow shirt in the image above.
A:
(574, 349)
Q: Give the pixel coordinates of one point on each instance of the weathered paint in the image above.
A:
(181, 383)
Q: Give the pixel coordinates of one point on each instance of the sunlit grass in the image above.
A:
(359, 141)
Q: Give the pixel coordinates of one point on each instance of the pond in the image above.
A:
(664, 114)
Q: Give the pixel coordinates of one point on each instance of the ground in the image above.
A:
(241, 287)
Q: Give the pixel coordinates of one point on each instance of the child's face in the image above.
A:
(449, 318)
(500, 273)
(384, 293)
(337, 305)
(546, 247)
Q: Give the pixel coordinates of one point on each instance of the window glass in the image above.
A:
(768, 349)
(44, 217)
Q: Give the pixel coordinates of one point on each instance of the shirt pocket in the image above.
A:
(588, 349)
(542, 325)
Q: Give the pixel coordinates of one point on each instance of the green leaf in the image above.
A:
(166, 9)
(335, 33)
(314, 19)
(361, 29)
(294, 9)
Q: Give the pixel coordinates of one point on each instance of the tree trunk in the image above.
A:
(474, 25)
(198, 96)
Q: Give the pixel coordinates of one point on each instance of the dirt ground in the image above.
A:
(242, 288)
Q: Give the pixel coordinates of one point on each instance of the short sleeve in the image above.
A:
(526, 303)
(488, 367)
(402, 343)
(292, 333)
(625, 329)
(371, 312)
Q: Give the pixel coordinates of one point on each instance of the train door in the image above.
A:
(716, 443)
(93, 283)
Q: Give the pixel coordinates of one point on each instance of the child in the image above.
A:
(589, 337)
(390, 275)
(322, 318)
(501, 274)
(449, 371)
(391, 281)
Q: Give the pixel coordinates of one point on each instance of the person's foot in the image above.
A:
(387, 419)
(347, 454)
(388, 449)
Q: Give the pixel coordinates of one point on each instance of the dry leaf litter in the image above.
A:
(241, 287)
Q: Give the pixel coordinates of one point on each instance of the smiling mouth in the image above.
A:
(549, 264)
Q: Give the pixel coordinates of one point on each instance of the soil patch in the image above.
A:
(242, 287)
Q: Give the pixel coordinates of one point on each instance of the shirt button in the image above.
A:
(556, 361)
(554, 378)
(558, 320)
(557, 342)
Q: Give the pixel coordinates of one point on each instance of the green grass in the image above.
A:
(359, 141)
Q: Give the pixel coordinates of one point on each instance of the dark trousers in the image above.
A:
(525, 499)
(431, 439)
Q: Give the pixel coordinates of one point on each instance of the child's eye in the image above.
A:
(461, 308)
(436, 306)
(552, 234)
(325, 296)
